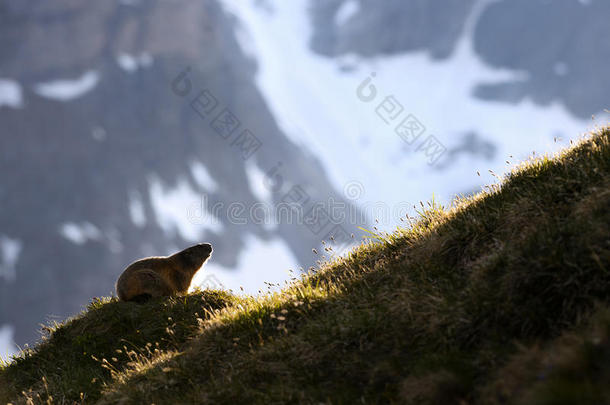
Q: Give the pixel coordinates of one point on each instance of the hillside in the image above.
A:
(502, 298)
(140, 176)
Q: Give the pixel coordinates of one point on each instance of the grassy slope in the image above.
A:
(502, 298)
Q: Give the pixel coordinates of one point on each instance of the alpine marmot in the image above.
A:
(162, 276)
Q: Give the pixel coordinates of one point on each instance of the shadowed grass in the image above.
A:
(77, 357)
(488, 301)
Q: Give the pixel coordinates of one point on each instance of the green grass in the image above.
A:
(502, 298)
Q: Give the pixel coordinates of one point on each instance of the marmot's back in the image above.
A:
(162, 276)
(144, 279)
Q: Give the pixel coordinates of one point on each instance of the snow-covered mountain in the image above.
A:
(133, 128)
(436, 62)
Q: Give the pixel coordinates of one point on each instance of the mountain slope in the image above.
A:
(502, 298)
(127, 166)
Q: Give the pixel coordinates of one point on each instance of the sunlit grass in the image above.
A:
(501, 297)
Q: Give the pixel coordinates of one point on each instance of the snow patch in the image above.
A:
(9, 256)
(80, 234)
(131, 63)
(66, 90)
(253, 269)
(181, 210)
(7, 344)
(347, 10)
(127, 62)
(11, 94)
(136, 209)
(203, 178)
(256, 181)
(113, 240)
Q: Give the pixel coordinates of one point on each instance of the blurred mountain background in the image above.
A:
(134, 128)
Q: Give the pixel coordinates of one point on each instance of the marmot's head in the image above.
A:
(192, 258)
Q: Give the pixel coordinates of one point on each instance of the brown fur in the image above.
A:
(162, 276)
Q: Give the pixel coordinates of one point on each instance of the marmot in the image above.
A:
(162, 276)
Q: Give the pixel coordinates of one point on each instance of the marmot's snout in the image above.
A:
(203, 250)
(205, 247)
(195, 255)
